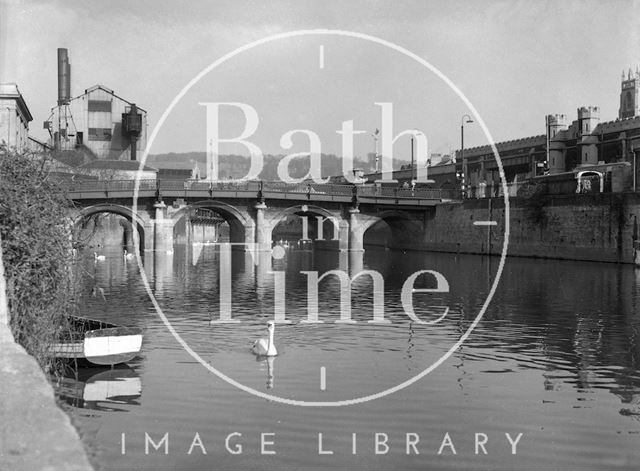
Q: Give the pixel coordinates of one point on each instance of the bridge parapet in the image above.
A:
(260, 190)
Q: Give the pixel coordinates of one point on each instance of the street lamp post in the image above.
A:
(465, 119)
(414, 175)
(375, 140)
(635, 168)
(412, 160)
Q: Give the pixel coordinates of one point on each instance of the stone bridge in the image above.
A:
(339, 215)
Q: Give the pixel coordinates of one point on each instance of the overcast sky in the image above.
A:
(514, 60)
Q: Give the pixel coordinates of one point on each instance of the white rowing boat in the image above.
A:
(97, 342)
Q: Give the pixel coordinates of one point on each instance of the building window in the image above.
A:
(99, 134)
(629, 101)
(100, 105)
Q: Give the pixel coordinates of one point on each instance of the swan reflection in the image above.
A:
(269, 363)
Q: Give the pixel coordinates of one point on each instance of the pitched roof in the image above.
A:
(528, 141)
(109, 91)
(10, 90)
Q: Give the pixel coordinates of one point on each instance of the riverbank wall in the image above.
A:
(34, 433)
(592, 227)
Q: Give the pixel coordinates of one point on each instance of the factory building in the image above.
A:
(96, 125)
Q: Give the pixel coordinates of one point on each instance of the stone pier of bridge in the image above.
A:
(162, 229)
(255, 227)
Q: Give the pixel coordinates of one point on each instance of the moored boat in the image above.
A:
(97, 342)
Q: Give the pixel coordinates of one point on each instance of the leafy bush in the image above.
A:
(37, 252)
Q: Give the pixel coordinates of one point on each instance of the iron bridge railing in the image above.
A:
(87, 188)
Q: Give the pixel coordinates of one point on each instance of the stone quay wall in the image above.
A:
(592, 227)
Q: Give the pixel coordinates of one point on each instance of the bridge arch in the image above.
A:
(393, 228)
(241, 224)
(335, 218)
(138, 220)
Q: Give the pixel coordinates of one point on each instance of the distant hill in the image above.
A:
(172, 160)
(237, 166)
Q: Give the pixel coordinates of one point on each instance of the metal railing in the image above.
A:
(308, 188)
(408, 193)
(107, 185)
(87, 187)
(550, 186)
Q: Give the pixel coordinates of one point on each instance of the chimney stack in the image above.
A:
(64, 77)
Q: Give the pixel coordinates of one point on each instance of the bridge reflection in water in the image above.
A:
(247, 268)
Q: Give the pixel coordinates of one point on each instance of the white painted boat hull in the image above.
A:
(105, 345)
(112, 346)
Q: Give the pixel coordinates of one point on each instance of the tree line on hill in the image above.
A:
(237, 166)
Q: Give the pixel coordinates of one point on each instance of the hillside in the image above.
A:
(237, 166)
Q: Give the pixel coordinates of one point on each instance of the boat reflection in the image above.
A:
(101, 388)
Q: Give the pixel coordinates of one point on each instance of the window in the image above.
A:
(99, 134)
(100, 105)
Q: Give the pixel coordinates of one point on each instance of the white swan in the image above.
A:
(99, 258)
(127, 255)
(266, 347)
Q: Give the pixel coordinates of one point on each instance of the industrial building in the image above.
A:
(95, 125)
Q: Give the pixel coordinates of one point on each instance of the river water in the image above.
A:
(554, 363)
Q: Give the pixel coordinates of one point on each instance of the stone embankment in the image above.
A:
(593, 227)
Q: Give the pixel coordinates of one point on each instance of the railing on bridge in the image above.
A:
(87, 188)
(308, 188)
(418, 193)
(107, 185)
